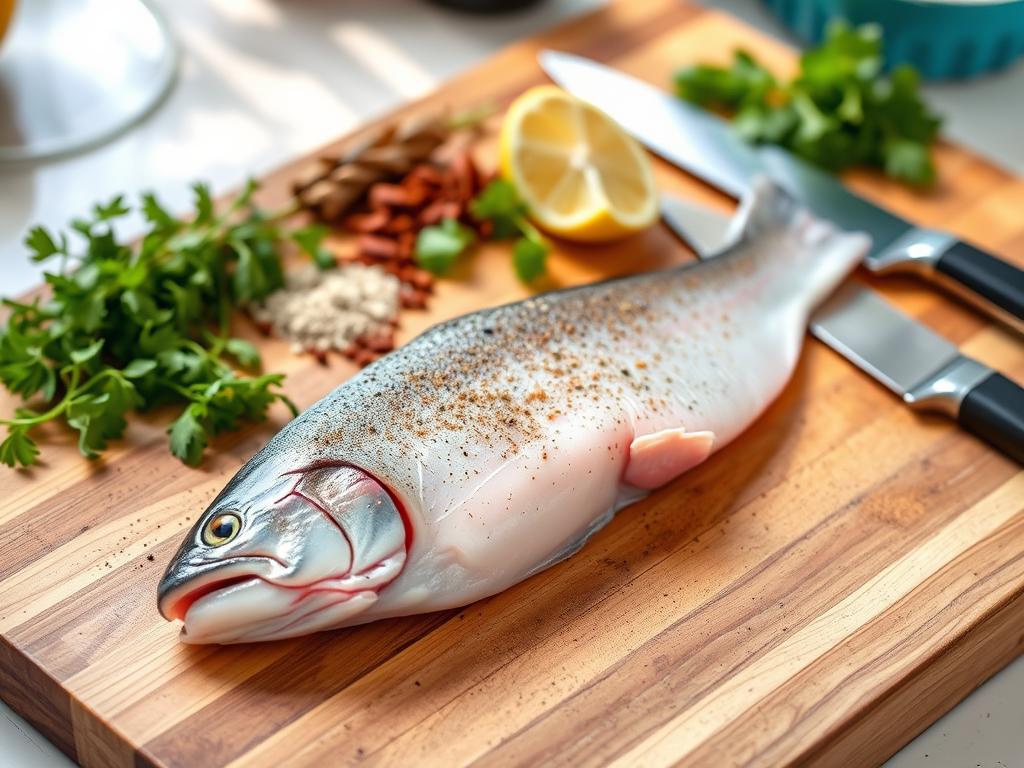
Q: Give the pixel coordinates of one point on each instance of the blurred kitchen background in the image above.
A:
(240, 86)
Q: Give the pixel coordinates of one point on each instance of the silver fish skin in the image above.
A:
(493, 445)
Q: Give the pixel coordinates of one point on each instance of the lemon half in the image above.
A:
(6, 11)
(581, 175)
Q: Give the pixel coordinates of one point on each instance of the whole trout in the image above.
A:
(494, 445)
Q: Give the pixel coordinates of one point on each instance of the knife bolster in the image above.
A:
(917, 250)
(945, 390)
(985, 282)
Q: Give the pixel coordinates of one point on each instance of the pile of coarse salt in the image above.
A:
(320, 310)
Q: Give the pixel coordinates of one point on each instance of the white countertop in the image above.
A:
(264, 81)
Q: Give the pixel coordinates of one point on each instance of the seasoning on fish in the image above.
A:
(494, 445)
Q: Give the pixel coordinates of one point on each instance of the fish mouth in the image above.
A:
(178, 607)
(187, 584)
(284, 610)
(313, 558)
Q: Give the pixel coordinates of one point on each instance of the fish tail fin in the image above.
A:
(820, 254)
(766, 207)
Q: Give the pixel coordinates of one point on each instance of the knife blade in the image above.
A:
(914, 362)
(704, 145)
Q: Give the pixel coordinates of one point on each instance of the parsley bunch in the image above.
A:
(129, 327)
(439, 247)
(840, 111)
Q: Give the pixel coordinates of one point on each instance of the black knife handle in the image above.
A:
(994, 411)
(981, 273)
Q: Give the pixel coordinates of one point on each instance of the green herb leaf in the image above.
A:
(439, 247)
(745, 81)
(310, 240)
(156, 214)
(248, 280)
(131, 326)
(245, 353)
(85, 354)
(908, 161)
(499, 203)
(41, 244)
(139, 367)
(100, 417)
(840, 110)
(112, 210)
(203, 203)
(29, 376)
(244, 198)
(188, 437)
(23, 367)
(18, 449)
(530, 258)
(185, 365)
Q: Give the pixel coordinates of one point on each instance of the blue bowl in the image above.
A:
(941, 38)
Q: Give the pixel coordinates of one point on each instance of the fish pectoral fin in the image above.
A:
(452, 554)
(660, 457)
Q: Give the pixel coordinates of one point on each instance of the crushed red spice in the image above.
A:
(394, 213)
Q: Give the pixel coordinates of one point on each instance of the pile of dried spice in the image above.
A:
(351, 309)
(394, 214)
(333, 184)
(414, 199)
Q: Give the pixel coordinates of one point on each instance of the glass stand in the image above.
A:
(75, 73)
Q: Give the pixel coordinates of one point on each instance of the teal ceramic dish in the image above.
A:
(941, 38)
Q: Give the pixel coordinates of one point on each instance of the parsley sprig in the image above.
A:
(840, 111)
(132, 326)
(439, 247)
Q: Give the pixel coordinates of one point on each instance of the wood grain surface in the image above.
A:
(817, 593)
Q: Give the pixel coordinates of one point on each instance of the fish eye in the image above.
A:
(221, 529)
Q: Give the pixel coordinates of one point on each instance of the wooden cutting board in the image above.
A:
(819, 592)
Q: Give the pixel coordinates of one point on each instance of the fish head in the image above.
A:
(306, 551)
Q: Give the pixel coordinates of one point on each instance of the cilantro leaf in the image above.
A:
(129, 326)
(41, 244)
(185, 365)
(203, 203)
(745, 81)
(156, 214)
(310, 240)
(100, 417)
(499, 203)
(244, 198)
(23, 367)
(909, 161)
(248, 280)
(29, 376)
(18, 448)
(85, 354)
(112, 210)
(245, 353)
(138, 368)
(188, 437)
(530, 258)
(439, 247)
(841, 109)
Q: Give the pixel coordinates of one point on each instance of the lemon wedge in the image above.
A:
(580, 174)
(6, 11)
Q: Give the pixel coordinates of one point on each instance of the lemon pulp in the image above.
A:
(581, 175)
